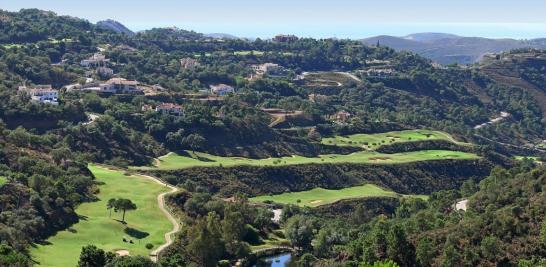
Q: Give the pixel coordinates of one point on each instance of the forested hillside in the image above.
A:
(316, 90)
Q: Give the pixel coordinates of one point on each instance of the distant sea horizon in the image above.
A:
(360, 30)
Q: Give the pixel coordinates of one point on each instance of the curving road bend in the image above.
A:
(176, 226)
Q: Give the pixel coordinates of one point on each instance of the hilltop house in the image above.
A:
(283, 38)
(188, 63)
(221, 89)
(41, 93)
(95, 60)
(169, 108)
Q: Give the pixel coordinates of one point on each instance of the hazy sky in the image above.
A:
(318, 18)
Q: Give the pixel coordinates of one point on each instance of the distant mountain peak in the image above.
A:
(116, 26)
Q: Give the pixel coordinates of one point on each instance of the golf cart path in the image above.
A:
(161, 202)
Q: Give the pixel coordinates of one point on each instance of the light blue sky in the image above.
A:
(318, 18)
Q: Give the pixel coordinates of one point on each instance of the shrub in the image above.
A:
(149, 246)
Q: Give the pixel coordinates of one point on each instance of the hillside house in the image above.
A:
(285, 38)
(188, 63)
(379, 73)
(169, 108)
(342, 116)
(221, 89)
(120, 86)
(268, 68)
(44, 94)
(95, 60)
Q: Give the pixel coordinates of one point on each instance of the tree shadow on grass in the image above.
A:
(120, 221)
(134, 233)
(193, 155)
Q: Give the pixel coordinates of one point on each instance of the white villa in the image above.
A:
(267, 68)
(169, 108)
(41, 93)
(112, 86)
(221, 89)
(95, 60)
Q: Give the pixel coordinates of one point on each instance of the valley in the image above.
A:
(169, 147)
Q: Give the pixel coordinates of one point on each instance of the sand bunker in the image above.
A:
(122, 252)
(380, 158)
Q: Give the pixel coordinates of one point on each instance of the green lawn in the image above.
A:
(373, 141)
(535, 159)
(97, 228)
(320, 196)
(173, 161)
(246, 53)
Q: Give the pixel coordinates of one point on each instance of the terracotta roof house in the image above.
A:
(169, 108)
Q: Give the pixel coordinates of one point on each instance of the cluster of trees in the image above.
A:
(216, 230)
(91, 256)
(503, 223)
(44, 185)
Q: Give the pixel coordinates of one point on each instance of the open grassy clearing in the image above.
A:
(373, 141)
(145, 225)
(3, 180)
(275, 239)
(326, 79)
(246, 53)
(173, 161)
(320, 196)
(534, 159)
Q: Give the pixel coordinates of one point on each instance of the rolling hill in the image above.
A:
(447, 48)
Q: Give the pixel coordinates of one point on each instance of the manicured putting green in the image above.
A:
(373, 141)
(147, 224)
(173, 161)
(320, 196)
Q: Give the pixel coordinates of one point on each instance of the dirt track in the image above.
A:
(176, 226)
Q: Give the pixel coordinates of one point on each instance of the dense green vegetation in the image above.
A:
(104, 227)
(320, 196)
(433, 233)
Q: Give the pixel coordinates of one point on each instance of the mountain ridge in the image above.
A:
(448, 49)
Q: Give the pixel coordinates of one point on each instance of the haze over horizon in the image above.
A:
(320, 19)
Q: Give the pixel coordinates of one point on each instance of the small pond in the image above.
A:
(281, 260)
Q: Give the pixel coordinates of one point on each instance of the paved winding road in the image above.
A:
(176, 226)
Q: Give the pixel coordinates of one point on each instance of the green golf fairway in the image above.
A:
(97, 228)
(319, 196)
(173, 161)
(373, 141)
